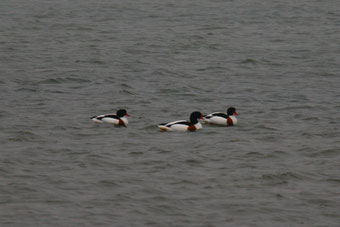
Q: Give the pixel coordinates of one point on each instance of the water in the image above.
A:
(65, 61)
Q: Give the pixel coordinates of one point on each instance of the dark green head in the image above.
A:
(122, 113)
(195, 116)
(231, 111)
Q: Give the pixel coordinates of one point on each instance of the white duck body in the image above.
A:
(218, 118)
(180, 126)
(116, 121)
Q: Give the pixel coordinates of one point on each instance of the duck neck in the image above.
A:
(193, 121)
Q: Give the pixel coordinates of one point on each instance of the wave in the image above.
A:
(64, 80)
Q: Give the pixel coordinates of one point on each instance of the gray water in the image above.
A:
(64, 61)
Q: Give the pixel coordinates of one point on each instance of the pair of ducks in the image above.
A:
(218, 118)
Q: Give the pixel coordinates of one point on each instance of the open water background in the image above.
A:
(64, 61)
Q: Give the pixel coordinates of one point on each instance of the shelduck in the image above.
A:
(183, 125)
(220, 118)
(117, 119)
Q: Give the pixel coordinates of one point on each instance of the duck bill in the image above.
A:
(236, 113)
(128, 115)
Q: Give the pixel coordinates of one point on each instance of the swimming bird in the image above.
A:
(183, 125)
(117, 119)
(220, 118)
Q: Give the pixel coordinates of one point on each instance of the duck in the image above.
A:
(117, 119)
(220, 118)
(184, 125)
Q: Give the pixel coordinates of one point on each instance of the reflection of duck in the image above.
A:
(116, 119)
(184, 125)
(219, 118)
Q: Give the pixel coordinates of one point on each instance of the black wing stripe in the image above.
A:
(220, 115)
(180, 122)
(111, 116)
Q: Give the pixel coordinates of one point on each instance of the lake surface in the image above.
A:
(64, 61)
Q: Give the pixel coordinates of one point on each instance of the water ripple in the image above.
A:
(64, 61)
(64, 80)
